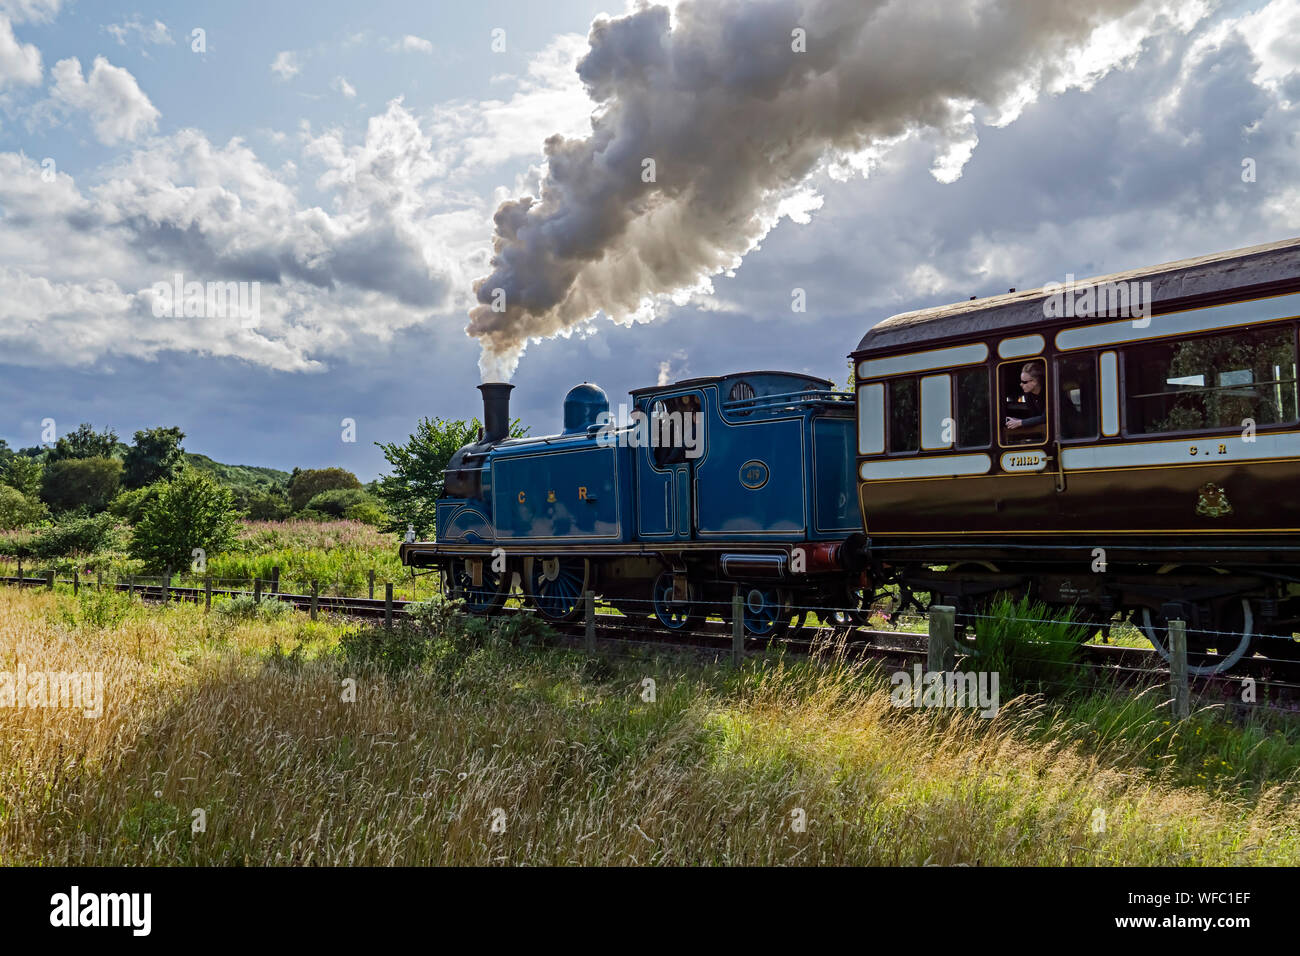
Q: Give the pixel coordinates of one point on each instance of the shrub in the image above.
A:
(336, 502)
(307, 484)
(17, 510)
(130, 505)
(80, 535)
(191, 511)
(88, 483)
(248, 608)
(367, 512)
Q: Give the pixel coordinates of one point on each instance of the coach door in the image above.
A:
(1028, 460)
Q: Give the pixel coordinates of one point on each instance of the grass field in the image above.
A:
(475, 744)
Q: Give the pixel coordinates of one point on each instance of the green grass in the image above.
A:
(455, 719)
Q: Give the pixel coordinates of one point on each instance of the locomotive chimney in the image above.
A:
(496, 410)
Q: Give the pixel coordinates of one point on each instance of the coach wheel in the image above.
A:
(853, 610)
(674, 615)
(557, 586)
(1236, 626)
(482, 598)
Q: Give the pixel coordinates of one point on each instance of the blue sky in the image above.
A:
(350, 157)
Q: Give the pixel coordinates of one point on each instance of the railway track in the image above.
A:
(1276, 682)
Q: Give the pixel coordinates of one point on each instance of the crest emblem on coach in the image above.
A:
(1212, 501)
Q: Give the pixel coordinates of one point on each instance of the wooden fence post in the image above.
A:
(257, 589)
(166, 584)
(99, 580)
(275, 579)
(589, 612)
(76, 582)
(130, 586)
(372, 585)
(20, 572)
(388, 605)
(49, 579)
(315, 599)
(1178, 687)
(737, 627)
(941, 653)
(207, 593)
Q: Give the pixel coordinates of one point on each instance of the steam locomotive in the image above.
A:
(1126, 445)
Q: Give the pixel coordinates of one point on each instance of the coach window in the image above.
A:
(973, 408)
(904, 415)
(1076, 377)
(1212, 383)
(1023, 390)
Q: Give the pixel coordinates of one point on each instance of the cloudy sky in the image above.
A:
(349, 158)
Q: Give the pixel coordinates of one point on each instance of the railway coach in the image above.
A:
(1126, 444)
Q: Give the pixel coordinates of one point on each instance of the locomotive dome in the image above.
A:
(583, 407)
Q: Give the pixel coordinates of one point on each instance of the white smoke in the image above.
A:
(737, 102)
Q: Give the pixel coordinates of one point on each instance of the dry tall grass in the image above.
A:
(499, 754)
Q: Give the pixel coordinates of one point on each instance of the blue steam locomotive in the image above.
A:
(696, 489)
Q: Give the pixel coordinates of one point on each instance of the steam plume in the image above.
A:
(735, 117)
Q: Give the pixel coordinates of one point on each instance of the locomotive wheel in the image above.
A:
(676, 616)
(765, 610)
(1235, 618)
(557, 586)
(484, 598)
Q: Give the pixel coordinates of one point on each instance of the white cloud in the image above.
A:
(20, 63)
(414, 44)
(155, 33)
(286, 65)
(341, 85)
(34, 11)
(117, 106)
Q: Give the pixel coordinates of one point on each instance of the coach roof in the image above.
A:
(1223, 276)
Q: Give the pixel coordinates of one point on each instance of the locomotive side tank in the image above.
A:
(1130, 443)
(666, 508)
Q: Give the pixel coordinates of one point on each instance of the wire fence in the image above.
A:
(753, 618)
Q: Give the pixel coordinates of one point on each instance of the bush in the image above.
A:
(248, 608)
(306, 485)
(336, 502)
(191, 511)
(367, 512)
(130, 505)
(19, 511)
(82, 535)
(88, 483)
(265, 506)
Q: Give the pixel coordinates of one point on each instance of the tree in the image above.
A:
(156, 455)
(410, 494)
(191, 511)
(85, 442)
(17, 510)
(24, 474)
(308, 483)
(88, 483)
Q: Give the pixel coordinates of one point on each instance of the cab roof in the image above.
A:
(1224, 276)
(715, 379)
